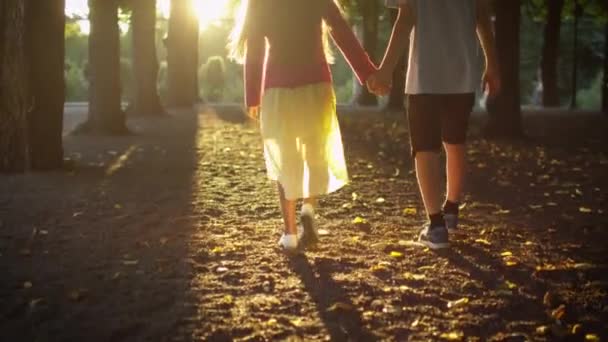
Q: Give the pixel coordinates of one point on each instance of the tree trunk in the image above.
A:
(105, 112)
(369, 10)
(578, 12)
(182, 55)
(605, 81)
(146, 101)
(505, 109)
(550, 53)
(397, 95)
(45, 21)
(13, 107)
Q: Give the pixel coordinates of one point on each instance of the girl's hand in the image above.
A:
(254, 113)
(380, 83)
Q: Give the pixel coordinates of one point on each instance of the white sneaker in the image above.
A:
(288, 242)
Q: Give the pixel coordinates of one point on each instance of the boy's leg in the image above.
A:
(425, 134)
(455, 121)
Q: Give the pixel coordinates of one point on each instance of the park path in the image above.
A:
(169, 235)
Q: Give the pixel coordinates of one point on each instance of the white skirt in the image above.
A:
(302, 142)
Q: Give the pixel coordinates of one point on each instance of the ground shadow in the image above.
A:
(338, 313)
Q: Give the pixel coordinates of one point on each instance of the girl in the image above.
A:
(288, 81)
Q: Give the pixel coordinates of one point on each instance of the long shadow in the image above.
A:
(100, 252)
(338, 313)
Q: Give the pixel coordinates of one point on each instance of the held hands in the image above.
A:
(380, 83)
(254, 113)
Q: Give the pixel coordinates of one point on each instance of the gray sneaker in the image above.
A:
(451, 221)
(434, 237)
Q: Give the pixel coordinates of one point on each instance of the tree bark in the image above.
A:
(182, 55)
(397, 95)
(45, 44)
(13, 106)
(146, 101)
(605, 80)
(505, 109)
(105, 112)
(369, 10)
(578, 12)
(550, 53)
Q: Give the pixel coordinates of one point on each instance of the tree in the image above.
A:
(505, 110)
(605, 80)
(13, 107)
(550, 53)
(45, 40)
(105, 112)
(369, 11)
(146, 101)
(182, 55)
(397, 95)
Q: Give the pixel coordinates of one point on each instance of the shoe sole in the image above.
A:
(433, 245)
(309, 236)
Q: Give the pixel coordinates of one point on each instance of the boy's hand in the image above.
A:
(380, 83)
(254, 113)
(491, 80)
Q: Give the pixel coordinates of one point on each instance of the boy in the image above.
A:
(440, 87)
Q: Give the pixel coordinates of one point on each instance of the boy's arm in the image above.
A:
(380, 83)
(348, 44)
(399, 38)
(491, 77)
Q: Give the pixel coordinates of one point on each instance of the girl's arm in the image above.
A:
(348, 44)
(255, 56)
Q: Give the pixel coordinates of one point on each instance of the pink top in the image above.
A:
(270, 70)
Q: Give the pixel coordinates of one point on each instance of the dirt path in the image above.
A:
(169, 235)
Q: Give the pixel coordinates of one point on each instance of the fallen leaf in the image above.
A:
(25, 252)
(340, 306)
(130, 262)
(380, 200)
(502, 212)
(511, 263)
(359, 220)
(222, 269)
(510, 285)
(44, 232)
(117, 206)
(116, 275)
(27, 285)
(410, 211)
(457, 303)
(452, 336)
(483, 242)
(559, 312)
(415, 323)
(592, 338)
(396, 255)
(506, 254)
(413, 276)
(323, 232)
(576, 329)
(542, 330)
(354, 196)
(35, 302)
(163, 240)
(585, 210)
(77, 295)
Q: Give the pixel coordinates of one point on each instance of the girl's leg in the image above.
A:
(288, 209)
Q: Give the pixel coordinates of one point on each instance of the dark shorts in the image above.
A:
(437, 118)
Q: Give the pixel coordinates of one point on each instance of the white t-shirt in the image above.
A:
(444, 55)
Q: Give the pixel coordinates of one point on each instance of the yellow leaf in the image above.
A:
(510, 263)
(35, 302)
(163, 240)
(27, 285)
(117, 206)
(483, 242)
(340, 306)
(271, 322)
(584, 210)
(592, 338)
(542, 330)
(130, 262)
(410, 211)
(510, 285)
(452, 336)
(396, 254)
(459, 302)
(506, 254)
(576, 329)
(413, 276)
(380, 200)
(359, 220)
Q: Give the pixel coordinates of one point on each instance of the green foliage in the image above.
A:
(591, 97)
(212, 76)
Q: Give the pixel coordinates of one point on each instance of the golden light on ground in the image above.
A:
(208, 12)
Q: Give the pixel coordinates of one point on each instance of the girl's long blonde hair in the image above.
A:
(238, 38)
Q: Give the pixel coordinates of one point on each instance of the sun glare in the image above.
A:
(208, 12)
